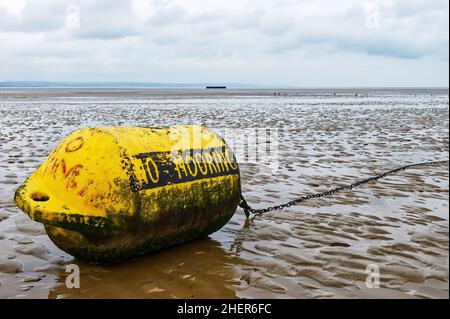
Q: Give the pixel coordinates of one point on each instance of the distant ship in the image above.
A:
(216, 87)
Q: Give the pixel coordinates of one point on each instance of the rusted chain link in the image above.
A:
(247, 209)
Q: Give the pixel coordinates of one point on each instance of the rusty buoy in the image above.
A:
(110, 193)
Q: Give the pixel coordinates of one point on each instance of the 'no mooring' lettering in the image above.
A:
(165, 168)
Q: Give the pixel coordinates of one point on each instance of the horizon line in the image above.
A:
(181, 85)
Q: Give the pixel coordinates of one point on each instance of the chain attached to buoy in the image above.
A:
(247, 209)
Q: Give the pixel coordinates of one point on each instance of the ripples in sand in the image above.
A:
(318, 250)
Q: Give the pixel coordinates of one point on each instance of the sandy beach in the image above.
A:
(320, 249)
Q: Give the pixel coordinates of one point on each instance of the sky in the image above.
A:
(322, 43)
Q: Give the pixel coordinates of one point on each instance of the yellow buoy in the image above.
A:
(110, 193)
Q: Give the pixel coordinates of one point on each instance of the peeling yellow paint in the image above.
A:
(118, 180)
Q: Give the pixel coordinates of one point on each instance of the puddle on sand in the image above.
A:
(318, 250)
(199, 269)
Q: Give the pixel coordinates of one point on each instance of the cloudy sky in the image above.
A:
(271, 42)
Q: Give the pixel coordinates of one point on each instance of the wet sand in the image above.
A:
(317, 250)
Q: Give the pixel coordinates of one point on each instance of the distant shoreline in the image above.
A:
(137, 95)
(182, 86)
(119, 85)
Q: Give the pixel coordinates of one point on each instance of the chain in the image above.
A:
(247, 209)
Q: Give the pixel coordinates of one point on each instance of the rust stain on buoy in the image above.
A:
(110, 193)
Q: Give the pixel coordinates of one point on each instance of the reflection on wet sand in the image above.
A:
(199, 269)
(320, 249)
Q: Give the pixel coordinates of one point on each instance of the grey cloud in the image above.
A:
(251, 34)
(172, 14)
(37, 16)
